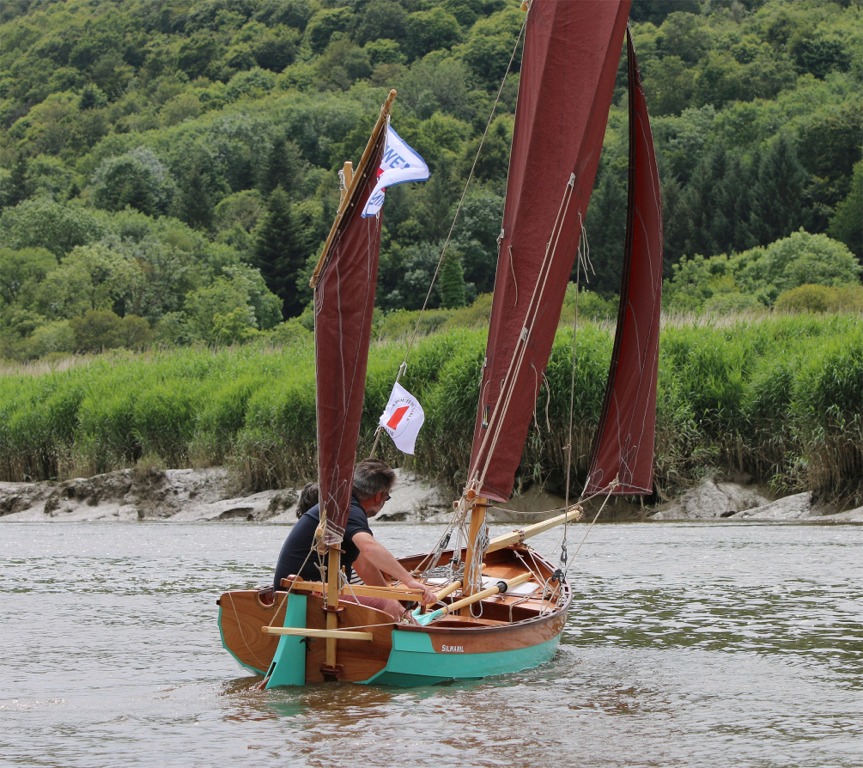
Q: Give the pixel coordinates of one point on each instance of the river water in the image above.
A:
(688, 645)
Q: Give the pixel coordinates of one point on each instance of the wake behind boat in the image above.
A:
(501, 606)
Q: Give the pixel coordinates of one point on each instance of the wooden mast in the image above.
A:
(477, 522)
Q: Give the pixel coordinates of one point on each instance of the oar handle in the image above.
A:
(501, 586)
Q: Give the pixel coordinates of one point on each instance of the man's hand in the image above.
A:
(429, 597)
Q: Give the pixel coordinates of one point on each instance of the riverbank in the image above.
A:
(776, 398)
(193, 495)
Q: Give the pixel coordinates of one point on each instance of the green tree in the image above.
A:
(490, 45)
(137, 179)
(90, 277)
(670, 85)
(21, 271)
(326, 24)
(382, 19)
(14, 190)
(342, 63)
(412, 268)
(846, 224)
(437, 85)
(431, 30)
(284, 167)
(199, 54)
(695, 280)
(452, 289)
(55, 337)
(606, 225)
(277, 254)
(197, 189)
(267, 307)
(493, 161)
(220, 312)
(684, 34)
(44, 223)
(829, 144)
(475, 237)
(96, 330)
(796, 260)
(276, 48)
(779, 194)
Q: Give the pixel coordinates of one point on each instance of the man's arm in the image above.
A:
(376, 557)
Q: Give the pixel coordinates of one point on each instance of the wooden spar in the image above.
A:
(334, 555)
(339, 634)
(358, 174)
(516, 537)
(475, 598)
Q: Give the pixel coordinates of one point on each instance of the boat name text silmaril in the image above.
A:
(452, 648)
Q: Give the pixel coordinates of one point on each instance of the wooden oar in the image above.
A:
(501, 586)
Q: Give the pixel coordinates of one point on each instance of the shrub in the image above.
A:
(821, 298)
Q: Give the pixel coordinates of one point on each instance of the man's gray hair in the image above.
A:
(371, 476)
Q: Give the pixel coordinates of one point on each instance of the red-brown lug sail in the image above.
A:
(571, 55)
(345, 284)
(623, 448)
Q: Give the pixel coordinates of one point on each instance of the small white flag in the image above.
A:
(399, 165)
(402, 418)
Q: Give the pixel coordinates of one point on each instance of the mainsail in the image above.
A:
(622, 457)
(570, 60)
(344, 282)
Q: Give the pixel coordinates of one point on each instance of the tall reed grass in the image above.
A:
(779, 398)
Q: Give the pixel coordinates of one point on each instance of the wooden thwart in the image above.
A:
(332, 634)
(362, 590)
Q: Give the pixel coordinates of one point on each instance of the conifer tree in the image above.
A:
(452, 291)
(282, 168)
(196, 189)
(16, 187)
(779, 199)
(277, 254)
(606, 226)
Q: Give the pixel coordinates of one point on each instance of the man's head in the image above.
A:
(373, 480)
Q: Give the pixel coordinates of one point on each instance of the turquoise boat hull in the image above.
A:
(414, 661)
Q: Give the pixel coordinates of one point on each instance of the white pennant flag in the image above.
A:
(399, 165)
(402, 418)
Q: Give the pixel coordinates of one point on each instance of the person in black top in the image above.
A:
(373, 481)
(308, 499)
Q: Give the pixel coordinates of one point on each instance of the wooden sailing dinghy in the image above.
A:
(502, 607)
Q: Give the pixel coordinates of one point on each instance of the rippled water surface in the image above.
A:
(688, 645)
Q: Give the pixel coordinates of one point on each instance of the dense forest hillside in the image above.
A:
(168, 169)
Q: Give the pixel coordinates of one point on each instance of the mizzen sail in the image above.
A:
(344, 281)
(622, 457)
(570, 60)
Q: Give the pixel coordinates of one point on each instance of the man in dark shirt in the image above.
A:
(373, 481)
